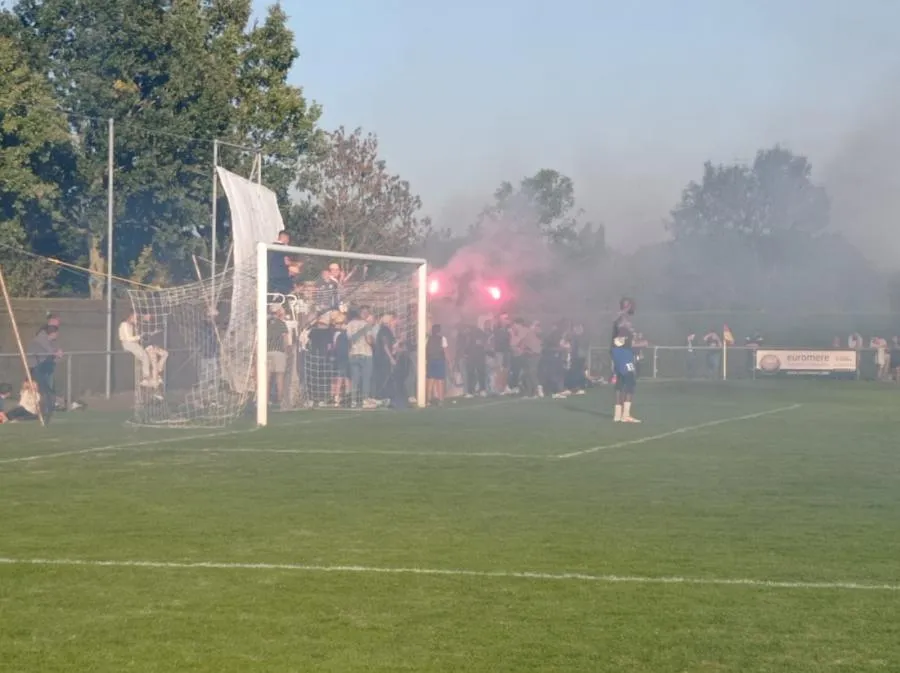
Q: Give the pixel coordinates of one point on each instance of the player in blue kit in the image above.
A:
(622, 322)
(626, 375)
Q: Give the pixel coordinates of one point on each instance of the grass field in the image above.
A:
(742, 527)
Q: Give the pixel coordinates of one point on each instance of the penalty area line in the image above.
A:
(678, 431)
(450, 572)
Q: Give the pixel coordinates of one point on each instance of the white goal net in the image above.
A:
(340, 330)
(286, 328)
(192, 368)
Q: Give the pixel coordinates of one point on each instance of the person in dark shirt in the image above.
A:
(318, 369)
(503, 350)
(624, 367)
(551, 365)
(42, 356)
(473, 347)
(281, 267)
(328, 290)
(384, 358)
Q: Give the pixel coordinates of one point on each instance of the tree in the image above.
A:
(34, 147)
(350, 202)
(174, 75)
(543, 202)
(772, 200)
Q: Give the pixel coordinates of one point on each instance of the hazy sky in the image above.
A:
(628, 98)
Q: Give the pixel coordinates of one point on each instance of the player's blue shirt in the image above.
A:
(623, 360)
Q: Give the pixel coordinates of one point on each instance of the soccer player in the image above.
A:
(623, 321)
(624, 370)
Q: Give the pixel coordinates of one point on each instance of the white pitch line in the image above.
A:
(118, 447)
(168, 440)
(376, 452)
(678, 431)
(449, 572)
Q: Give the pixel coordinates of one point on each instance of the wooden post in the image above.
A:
(12, 319)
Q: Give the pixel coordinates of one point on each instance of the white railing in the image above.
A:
(704, 363)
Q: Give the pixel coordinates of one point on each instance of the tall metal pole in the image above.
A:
(110, 217)
(259, 168)
(215, 216)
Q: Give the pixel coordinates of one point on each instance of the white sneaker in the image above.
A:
(579, 392)
(629, 419)
(559, 396)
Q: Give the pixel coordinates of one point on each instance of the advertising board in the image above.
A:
(807, 362)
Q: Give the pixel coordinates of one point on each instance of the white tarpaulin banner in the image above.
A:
(806, 361)
(255, 217)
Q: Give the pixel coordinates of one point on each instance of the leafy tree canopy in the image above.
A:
(351, 202)
(174, 75)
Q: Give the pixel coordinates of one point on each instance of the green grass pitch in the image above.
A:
(743, 527)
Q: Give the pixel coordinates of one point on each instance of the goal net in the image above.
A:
(192, 368)
(340, 330)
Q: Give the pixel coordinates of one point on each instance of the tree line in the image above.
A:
(176, 75)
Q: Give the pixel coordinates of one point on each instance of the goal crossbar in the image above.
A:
(263, 301)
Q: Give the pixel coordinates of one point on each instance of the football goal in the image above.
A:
(338, 330)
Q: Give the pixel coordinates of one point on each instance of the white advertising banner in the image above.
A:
(774, 361)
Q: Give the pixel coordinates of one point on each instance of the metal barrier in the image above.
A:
(84, 372)
(701, 362)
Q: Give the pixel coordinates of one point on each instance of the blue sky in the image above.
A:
(628, 98)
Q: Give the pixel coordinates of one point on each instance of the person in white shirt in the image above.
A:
(131, 342)
(361, 333)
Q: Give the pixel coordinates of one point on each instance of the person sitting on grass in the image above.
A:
(29, 403)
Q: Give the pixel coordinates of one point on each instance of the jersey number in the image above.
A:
(629, 367)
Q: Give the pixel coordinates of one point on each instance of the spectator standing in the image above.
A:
(882, 364)
(361, 334)
(503, 352)
(436, 365)
(753, 343)
(528, 344)
(713, 352)
(318, 366)
(895, 357)
(43, 353)
(691, 356)
(340, 358)
(473, 348)
(576, 378)
(276, 355)
(551, 365)
(384, 358)
(855, 341)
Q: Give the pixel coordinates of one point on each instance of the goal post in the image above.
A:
(312, 368)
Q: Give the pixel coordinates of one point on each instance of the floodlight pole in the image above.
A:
(110, 219)
(215, 216)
